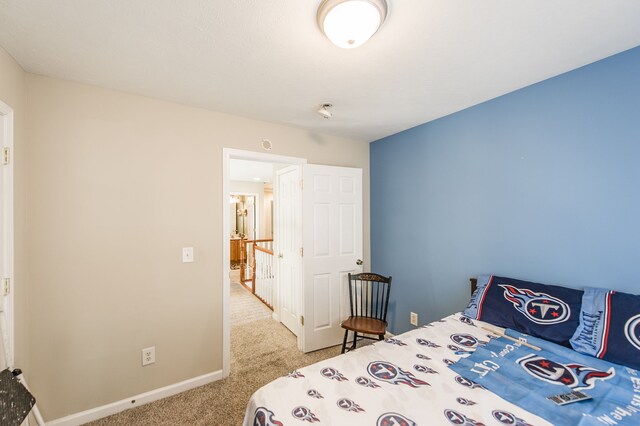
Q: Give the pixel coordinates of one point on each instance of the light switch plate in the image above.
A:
(187, 254)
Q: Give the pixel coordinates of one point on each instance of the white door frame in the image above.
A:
(6, 115)
(227, 155)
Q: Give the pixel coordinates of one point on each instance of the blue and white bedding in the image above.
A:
(405, 381)
(528, 376)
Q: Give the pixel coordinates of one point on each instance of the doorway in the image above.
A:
(318, 207)
(265, 224)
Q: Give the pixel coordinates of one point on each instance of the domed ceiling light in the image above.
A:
(350, 23)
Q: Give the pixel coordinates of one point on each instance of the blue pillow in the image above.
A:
(546, 311)
(609, 327)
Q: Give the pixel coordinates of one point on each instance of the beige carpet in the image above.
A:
(245, 307)
(261, 351)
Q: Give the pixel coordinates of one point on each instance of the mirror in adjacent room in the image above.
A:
(243, 216)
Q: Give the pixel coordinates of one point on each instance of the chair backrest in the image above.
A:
(369, 295)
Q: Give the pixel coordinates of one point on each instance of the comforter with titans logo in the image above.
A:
(404, 380)
(527, 377)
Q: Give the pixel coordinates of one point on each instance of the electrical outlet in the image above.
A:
(413, 318)
(148, 356)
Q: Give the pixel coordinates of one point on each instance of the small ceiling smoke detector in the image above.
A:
(266, 144)
(324, 111)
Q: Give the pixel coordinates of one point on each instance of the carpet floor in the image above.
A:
(261, 351)
(245, 307)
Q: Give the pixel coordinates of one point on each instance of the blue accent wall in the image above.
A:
(541, 184)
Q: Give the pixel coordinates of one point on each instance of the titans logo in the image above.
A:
(295, 374)
(314, 394)
(394, 341)
(466, 320)
(367, 383)
(264, 417)
(458, 351)
(421, 356)
(387, 372)
(424, 369)
(304, 414)
(467, 383)
(466, 340)
(575, 376)
(333, 374)
(632, 331)
(538, 307)
(348, 405)
(506, 418)
(448, 361)
(460, 419)
(394, 419)
(427, 343)
(465, 401)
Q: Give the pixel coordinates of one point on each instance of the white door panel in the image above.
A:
(288, 244)
(332, 237)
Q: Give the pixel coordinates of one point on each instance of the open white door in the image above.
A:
(288, 244)
(6, 235)
(4, 298)
(332, 241)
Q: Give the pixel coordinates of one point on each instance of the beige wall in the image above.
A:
(12, 93)
(117, 185)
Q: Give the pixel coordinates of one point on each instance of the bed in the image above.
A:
(458, 370)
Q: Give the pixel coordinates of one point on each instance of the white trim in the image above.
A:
(135, 401)
(227, 155)
(6, 114)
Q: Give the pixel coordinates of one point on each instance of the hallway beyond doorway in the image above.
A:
(245, 307)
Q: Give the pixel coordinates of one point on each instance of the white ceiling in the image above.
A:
(266, 59)
(251, 171)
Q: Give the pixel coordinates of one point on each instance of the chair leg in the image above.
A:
(344, 341)
(355, 339)
(380, 336)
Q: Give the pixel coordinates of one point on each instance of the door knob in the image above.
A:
(359, 262)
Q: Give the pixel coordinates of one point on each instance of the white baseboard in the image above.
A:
(135, 401)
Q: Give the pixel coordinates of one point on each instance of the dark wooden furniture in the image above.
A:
(369, 300)
(234, 251)
(474, 284)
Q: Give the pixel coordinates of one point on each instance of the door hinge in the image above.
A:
(301, 251)
(302, 319)
(6, 286)
(6, 156)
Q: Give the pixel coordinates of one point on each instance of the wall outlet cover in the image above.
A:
(148, 355)
(413, 318)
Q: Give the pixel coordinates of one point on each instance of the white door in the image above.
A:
(332, 241)
(4, 301)
(6, 241)
(288, 245)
